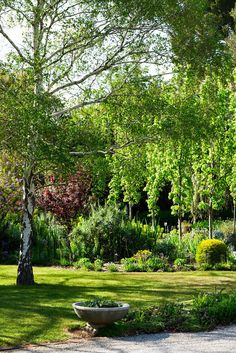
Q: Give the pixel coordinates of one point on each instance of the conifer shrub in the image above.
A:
(211, 252)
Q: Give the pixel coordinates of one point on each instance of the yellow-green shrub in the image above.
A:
(211, 251)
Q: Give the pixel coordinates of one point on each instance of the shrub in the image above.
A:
(231, 240)
(111, 267)
(211, 252)
(84, 264)
(232, 262)
(9, 239)
(181, 265)
(108, 234)
(222, 266)
(166, 248)
(168, 316)
(216, 308)
(226, 227)
(50, 241)
(98, 264)
(155, 263)
(142, 255)
(180, 262)
(131, 265)
(63, 262)
(217, 234)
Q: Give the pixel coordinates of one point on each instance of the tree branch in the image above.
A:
(111, 150)
(5, 35)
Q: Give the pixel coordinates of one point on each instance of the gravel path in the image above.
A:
(218, 341)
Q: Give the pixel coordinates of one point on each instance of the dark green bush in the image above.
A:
(231, 240)
(166, 248)
(9, 239)
(212, 309)
(50, 241)
(211, 252)
(108, 234)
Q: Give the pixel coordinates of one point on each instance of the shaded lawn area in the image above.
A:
(44, 313)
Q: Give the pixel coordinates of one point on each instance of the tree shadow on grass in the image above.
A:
(42, 312)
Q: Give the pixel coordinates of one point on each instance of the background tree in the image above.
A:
(10, 185)
(66, 198)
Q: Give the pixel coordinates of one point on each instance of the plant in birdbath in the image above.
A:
(100, 312)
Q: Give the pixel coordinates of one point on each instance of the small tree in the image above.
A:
(65, 198)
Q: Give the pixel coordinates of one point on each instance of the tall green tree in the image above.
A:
(69, 48)
(66, 46)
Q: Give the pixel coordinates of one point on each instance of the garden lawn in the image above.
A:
(43, 312)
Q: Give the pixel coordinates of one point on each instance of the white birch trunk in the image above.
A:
(210, 220)
(25, 272)
(234, 217)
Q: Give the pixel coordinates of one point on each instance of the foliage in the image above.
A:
(49, 242)
(66, 198)
(10, 185)
(84, 264)
(155, 263)
(111, 267)
(211, 252)
(98, 265)
(206, 312)
(142, 255)
(167, 248)
(212, 309)
(101, 303)
(231, 241)
(147, 264)
(226, 227)
(9, 238)
(168, 316)
(179, 262)
(131, 265)
(107, 234)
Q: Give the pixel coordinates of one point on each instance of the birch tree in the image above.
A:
(67, 49)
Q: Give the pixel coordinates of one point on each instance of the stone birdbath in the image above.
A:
(100, 313)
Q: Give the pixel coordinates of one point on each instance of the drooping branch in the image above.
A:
(5, 35)
(111, 150)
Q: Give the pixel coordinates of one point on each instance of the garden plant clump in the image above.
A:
(101, 303)
(205, 312)
(211, 252)
(156, 251)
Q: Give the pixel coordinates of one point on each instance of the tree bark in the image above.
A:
(153, 220)
(210, 219)
(234, 217)
(180, 227)
(130, 211)
(25, 271)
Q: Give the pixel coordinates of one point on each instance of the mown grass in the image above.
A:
(44, 313)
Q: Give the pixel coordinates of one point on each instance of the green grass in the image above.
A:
(44, 313)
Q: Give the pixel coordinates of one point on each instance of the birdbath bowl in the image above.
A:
(100, 317)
